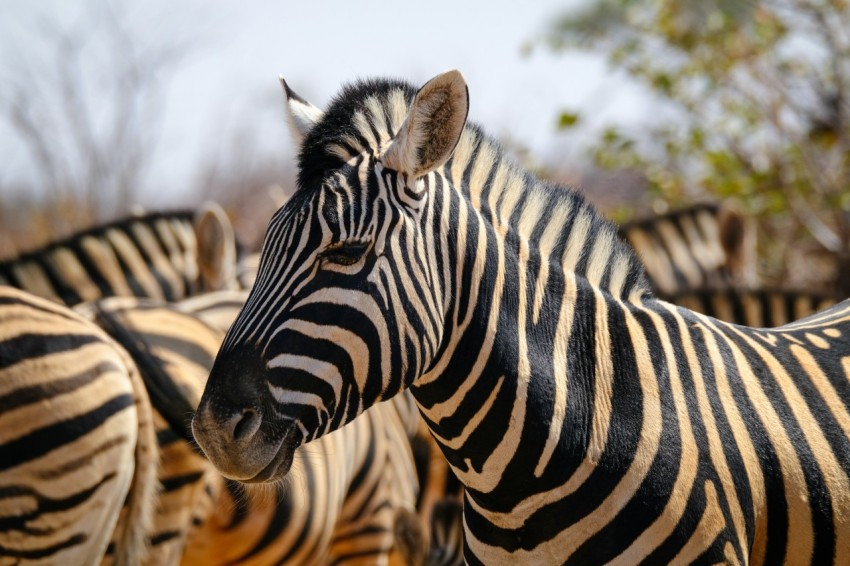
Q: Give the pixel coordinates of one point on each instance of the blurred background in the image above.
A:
(111, 106)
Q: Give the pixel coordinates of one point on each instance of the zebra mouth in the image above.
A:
(282, 461)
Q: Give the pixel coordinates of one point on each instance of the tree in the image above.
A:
(758, 94)
(84, 101)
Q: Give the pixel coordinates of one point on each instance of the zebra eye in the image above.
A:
(345, 253)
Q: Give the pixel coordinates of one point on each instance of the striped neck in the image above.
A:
(535, 265)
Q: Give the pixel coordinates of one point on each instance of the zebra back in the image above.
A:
(758, 308)
(76, 440)
(166, 256)
(702, 246)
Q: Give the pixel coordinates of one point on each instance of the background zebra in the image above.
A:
(588, 421)
(166, 256)
(703, 258)
(173, 352)
(340, 505)
(76, 439)
(699, 247)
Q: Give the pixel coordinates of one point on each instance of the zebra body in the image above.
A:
(159, 255)
(181, 347)
(340, 505)
(588, 421)
(76, 439)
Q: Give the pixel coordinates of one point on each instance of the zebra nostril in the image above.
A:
(247, 424)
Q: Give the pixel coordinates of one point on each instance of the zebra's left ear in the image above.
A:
(302, 115)
(429, 134)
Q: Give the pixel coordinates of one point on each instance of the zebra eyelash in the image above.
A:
(345, 253)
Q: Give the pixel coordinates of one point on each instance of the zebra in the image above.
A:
(706, 245)
(178, 351)
(587, 420)
(165, 256)
(702, 257)
(446, 531)
(342, 504)
(76, 439)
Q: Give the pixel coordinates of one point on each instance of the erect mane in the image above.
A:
(365, 116)
(342, 133)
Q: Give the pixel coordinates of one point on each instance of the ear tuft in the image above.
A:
(302, 115)
(432, 129)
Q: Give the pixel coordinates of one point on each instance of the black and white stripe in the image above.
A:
(165, 256)
(757, 307)
(339, 506)
(76, 440)
(698, 247)
(588, 421)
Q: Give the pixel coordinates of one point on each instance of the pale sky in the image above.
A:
(229, 83)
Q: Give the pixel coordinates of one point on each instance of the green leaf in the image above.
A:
(568, 120)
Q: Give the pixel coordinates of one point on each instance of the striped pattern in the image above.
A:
(588, 421)
(156, 255)
(702, 246)
(76, 439)
(341, 503)
(446, 548)
(182, 347)
(338, 506)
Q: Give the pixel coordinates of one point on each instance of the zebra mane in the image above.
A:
(99, 231)
(87, 264)
(359, 119)
(366, 115)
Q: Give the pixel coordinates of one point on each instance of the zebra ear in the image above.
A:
(302, 115)
(429, 134)
(216, 247)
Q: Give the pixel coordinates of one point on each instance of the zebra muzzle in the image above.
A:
(241, 446)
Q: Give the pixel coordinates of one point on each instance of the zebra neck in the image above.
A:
(537, 274)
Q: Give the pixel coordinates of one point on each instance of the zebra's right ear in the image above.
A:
(302, 115)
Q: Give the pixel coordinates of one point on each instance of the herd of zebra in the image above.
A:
(515, 379)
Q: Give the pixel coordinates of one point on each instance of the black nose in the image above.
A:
(231, 402)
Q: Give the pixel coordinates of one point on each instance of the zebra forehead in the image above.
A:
(362, 118)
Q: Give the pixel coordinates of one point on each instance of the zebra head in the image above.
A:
(350, 301)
